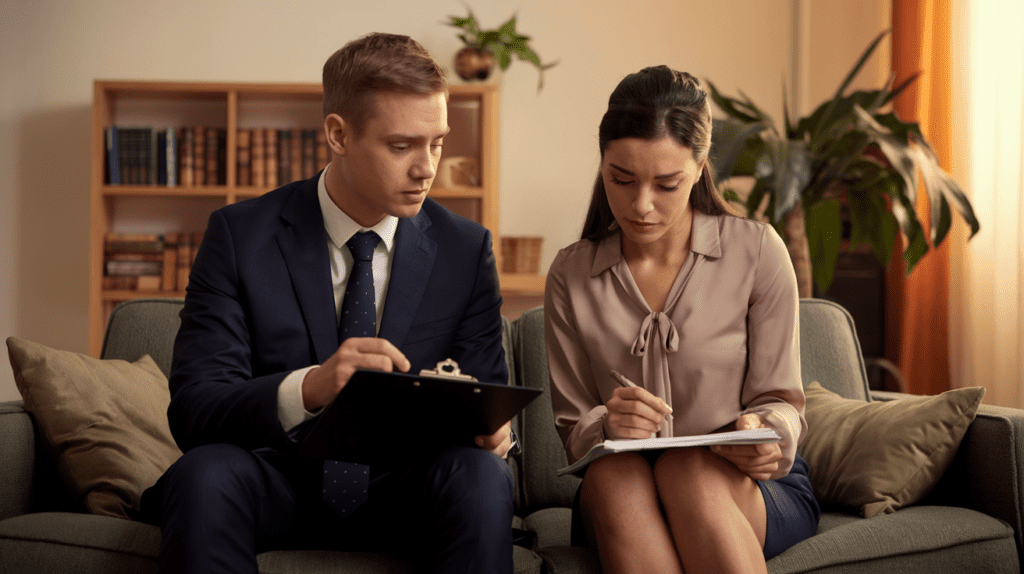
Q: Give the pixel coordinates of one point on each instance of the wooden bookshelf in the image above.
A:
(156, 209)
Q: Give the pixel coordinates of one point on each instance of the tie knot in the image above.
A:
(362, 245)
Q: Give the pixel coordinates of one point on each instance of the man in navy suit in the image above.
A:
(259, 353)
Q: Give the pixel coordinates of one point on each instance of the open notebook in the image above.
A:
(752, 436)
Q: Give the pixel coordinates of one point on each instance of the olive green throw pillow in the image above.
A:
(880, 456)
(104, 421)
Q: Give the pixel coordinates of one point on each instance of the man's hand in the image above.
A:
(324, 383)
(758, 461)
(498, 443)
(633, 412)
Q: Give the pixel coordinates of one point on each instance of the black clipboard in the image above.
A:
(380, 418)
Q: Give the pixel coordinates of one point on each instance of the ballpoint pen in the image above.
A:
(625, 382)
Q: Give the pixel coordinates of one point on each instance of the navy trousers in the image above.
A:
(219, 505)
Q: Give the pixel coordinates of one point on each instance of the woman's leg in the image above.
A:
(619, 507)
(716, 513)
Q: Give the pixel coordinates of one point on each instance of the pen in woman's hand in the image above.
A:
(622, 379)
(625, 382)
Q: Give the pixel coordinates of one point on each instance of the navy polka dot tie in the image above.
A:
(346, 483)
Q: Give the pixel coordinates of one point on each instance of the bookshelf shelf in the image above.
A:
(180, 211)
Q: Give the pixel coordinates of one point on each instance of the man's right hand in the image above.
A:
(323, 383)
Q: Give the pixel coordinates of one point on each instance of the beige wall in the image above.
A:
(51, 51)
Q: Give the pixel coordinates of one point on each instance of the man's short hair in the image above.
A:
(377, 63)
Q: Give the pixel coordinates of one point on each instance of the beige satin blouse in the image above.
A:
(726, 344)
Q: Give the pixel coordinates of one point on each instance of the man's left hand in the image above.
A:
(498, 443)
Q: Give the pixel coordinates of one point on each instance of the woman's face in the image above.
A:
(648, 185)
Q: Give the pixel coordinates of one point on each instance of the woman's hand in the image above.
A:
(758, 461)
(633, 412)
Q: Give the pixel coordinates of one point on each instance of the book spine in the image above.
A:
(244, 171)
(172, 157)
(161, 157)
(270, 140)
(284, 157)
(296, 155)
(258, 156)
(113, 157)
(308, 153)
(151, 156)
(170, 262)
(186, 157)
(199, 156)
(212, 156)
(184, 260)
(322, 157)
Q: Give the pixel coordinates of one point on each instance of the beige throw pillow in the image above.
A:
(880, 456)
(105, 421)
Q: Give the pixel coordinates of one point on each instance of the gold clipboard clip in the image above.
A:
(447, 369)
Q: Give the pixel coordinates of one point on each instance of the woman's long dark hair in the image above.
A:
(650, 104)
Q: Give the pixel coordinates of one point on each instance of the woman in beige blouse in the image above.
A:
(699, 308)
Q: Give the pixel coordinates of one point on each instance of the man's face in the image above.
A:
(389, 167)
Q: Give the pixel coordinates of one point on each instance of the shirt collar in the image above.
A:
(340, 227)
(704, 239)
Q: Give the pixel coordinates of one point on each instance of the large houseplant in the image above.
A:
(852, 153)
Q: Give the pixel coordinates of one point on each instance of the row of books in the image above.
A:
(149, 261)
(197, 156)
(269, 157)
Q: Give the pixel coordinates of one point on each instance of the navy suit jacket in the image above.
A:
(260, 305)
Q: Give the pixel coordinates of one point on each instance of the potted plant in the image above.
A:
(484, 48)
(851, 154)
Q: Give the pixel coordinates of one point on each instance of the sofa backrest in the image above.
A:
(143, 326)
(829, 353)
(542, 450)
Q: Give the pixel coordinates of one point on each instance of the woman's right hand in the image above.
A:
(633, 412)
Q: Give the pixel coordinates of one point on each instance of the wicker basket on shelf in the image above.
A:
(520, 254)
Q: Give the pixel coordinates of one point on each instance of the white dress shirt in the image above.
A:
(340, 228)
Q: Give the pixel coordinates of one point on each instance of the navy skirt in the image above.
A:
(789, 502)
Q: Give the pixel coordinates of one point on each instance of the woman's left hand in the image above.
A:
(758, 461)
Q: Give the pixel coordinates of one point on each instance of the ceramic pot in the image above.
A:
(474, 63)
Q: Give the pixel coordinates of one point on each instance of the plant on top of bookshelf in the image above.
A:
(484, 48)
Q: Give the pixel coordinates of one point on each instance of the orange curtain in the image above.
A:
(917, 332)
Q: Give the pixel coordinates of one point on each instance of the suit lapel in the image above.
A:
(303, 244)
(410, 269)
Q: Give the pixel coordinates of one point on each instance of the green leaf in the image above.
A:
(941, 187)
(794, 178)
(731, 106)
(762, 186)
(730, 195)
(732, 141)
(824, 228)
(872, 222)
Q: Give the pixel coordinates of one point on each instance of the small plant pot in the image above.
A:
(474, 63)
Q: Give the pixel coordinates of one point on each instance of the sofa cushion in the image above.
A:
(105, 422)
(880, 456)
(69, 542)
(922, 539)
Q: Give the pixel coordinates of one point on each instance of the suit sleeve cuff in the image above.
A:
(290, 410)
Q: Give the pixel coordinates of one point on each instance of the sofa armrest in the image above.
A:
(18, 445)
(986, 474)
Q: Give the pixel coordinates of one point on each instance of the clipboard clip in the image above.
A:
(447, 369)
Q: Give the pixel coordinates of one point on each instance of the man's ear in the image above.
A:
(338, 134)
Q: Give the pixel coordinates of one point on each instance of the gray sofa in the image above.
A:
(970, 523)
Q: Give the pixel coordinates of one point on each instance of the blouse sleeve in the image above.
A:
(773, 388)
(578, 409)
